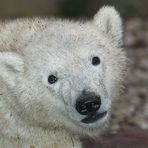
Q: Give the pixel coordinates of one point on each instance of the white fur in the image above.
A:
(36, 113)
(109, 22)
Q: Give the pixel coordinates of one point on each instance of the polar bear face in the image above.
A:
(69, 74)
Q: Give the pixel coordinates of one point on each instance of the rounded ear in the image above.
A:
(109, 22)
(11, 66)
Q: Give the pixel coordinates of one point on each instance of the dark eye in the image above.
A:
(52, 79)
(95, 61)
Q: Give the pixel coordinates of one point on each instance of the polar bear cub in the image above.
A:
(57, 79)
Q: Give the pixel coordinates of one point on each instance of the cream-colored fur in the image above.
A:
(34, 113)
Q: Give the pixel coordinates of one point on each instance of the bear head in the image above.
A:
(67, 75)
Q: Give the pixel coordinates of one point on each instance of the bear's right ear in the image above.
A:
(109, 22)
(11, 66)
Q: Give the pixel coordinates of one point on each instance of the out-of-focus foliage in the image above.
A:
(70, 8)
(18, 8)
(127, 8)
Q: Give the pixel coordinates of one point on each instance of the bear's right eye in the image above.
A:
(96, 61)
(52, 79)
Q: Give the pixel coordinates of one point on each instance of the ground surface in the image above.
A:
(121, 139)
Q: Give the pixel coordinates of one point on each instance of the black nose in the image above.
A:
(88, 103)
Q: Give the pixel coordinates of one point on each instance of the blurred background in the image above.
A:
(70, 8)
(131, 110)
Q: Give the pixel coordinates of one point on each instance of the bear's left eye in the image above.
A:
(52, 79)
(96, 61)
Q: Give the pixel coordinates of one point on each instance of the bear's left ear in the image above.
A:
(109, 22)
(11, 66)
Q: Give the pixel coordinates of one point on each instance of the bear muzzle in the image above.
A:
(88, 104)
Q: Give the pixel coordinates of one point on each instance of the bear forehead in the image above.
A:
(74, 33)
(79, 38)
(68, 41)
(67, 32)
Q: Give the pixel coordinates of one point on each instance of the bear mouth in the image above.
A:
(94, 117)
